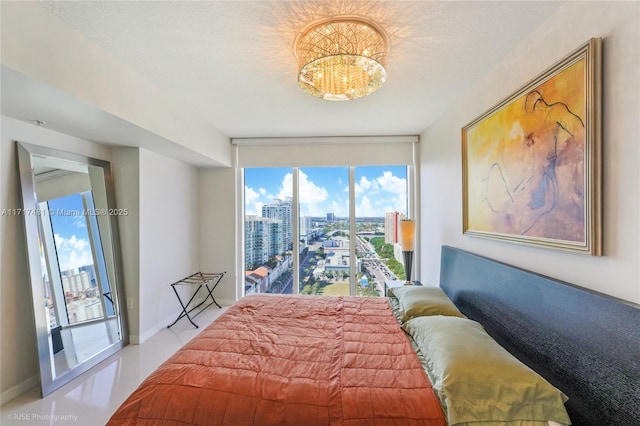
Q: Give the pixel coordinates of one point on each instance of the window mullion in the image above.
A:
(352, 232)
(295, 245)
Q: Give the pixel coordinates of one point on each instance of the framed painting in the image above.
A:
(531, 166)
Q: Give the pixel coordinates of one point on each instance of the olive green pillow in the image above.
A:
(416, 301)
(478, 380)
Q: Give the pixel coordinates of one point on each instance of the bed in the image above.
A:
(584, 343)
(291, 360)
(414, 358)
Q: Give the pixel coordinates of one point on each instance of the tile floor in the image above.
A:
(91, 399)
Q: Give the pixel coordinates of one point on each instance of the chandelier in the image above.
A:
(341, 58)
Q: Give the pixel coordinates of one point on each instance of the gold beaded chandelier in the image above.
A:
(341, 58)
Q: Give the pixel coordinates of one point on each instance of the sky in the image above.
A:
(70, 232)
(378, 190)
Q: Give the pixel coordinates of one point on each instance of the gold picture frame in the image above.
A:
(531, 166)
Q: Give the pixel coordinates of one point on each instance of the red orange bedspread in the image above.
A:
(291, 360)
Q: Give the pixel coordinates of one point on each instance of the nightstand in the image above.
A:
(396, 283)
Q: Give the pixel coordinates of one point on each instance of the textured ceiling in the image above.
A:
(233, 62)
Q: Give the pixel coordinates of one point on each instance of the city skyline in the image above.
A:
(378, 190)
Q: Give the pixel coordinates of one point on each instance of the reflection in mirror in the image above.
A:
(73, 250)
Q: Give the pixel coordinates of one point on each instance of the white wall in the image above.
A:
(617, 272)
(18, 354)
(218, 243)
(159, 236)
(168, 237)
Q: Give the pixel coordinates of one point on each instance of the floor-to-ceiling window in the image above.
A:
(381, 200)
(324, 230)
(322, 219)
(268, 230)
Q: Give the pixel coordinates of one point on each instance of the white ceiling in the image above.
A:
(233, 62)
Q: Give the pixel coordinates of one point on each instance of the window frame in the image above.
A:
(356, 151)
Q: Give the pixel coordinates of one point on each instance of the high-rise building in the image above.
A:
(255, 241)
(331, 217)
(275, 237)
(281, 210)
(89, 269)
(305, 228)
(76, 283)
(391, 226)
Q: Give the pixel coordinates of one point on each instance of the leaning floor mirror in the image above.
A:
(74, 261)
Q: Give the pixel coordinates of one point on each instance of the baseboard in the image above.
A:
(156, 328)
(139, 339)
(19, 389)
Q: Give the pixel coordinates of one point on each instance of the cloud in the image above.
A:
(380, 195)
(250, 195)
(286, 188)
(255, 199)
(375, 196)
(390, 183)
(310, 193)
(73, 252)
(80, 222)
(72, 243)
(366, 209)
(252, 203)
(74, 260)
(314, 210)
(365, 185)
(387, 182)
(339, 208)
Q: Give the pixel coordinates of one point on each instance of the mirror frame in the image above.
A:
(25, 151)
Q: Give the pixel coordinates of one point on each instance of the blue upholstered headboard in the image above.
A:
(586, 344)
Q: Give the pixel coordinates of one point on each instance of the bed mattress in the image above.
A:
(291, 360)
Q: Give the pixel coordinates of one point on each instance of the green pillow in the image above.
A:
(477, 380)
(416, 301)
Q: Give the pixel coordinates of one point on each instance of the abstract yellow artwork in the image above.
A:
(531, 164)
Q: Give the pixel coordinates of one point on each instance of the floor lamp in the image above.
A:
(407, 242)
